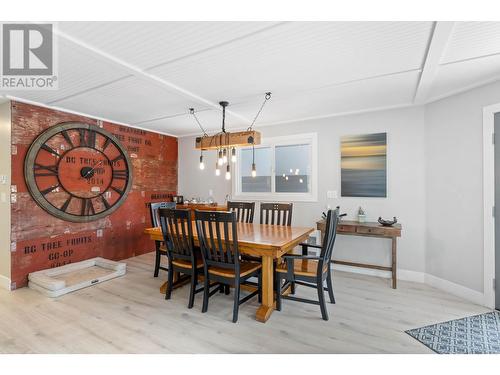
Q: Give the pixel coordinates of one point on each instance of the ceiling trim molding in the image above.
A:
(142, 74)
(462, 89)
(55, 108)
(436, 48)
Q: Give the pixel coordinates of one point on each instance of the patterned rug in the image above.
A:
(478, 334)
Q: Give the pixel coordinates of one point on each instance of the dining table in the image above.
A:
(267, 242)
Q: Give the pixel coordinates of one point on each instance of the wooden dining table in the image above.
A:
(268, 242)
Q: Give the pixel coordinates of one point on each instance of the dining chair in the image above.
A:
(244, 210)
(309, 270)
(276, 213)
(218, 239)
(177, 230)
(160, 247)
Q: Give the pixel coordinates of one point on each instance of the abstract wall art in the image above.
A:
(364, 165)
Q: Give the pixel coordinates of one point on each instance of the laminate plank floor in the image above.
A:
(129, 315)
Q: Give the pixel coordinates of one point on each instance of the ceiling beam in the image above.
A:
(435, 50)
(144, 75)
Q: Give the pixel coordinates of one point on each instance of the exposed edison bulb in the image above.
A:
(233, 155)
(202, 165)
(217, 169)
(228, 173)
(254, 171)
(220, 161)
(224, 156)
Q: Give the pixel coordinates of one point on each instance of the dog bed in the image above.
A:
(55, 282)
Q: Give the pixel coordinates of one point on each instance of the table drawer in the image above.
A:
(366, 230)
(346, 228)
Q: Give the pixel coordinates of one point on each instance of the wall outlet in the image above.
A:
(3, 179)
(332, 194)
(99, 233)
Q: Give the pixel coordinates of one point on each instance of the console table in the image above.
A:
(368, 229)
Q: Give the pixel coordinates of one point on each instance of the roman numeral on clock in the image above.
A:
(120, 175)
(87, 138)
(45, 170)
(64, 207)
(48, 190)
(49, 149)
(87, 207)
(67, 138)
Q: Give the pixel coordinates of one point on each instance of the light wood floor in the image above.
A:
(128, 315)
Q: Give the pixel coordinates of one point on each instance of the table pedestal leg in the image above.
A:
(163, 288)
(267, 307)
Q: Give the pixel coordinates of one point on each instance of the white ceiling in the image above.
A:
(149, 74)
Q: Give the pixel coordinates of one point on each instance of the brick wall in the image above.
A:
(40, 240)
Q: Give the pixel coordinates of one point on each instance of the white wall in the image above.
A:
(5, 131)
(406, 181)
(454, 189)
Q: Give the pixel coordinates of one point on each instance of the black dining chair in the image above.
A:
(160, 247)
(177, 230)
(276, 213)
(218, 239)
(309, 270)
(244, 211)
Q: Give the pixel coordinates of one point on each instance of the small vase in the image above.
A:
(361, 218)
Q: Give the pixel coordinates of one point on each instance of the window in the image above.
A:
(286, 170)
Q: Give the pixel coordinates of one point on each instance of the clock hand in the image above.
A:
(95, 166)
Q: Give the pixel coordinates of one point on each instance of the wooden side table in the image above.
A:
(369, 229)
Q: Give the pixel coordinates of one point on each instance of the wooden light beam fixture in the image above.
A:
(225, 143)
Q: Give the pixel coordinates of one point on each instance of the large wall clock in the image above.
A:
(78, 172)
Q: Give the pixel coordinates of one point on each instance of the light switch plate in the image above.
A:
(3, 179)
(332, 194)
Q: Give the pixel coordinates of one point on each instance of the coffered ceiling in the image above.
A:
(149, 74)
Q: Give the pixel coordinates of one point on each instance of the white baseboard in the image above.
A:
(4, 282)
(406, 275)
(455, 289)
(421, 277)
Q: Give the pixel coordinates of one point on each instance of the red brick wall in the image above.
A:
(40, 240)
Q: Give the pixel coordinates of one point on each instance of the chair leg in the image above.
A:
(292, 287)
(330, 286)
(236, 300)
(206, 292)
(321, 297)
(227, 289)
(278, 291)
(170, 281)
(157, 261)
(194, 281)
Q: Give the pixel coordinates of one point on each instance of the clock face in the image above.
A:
(78, 172)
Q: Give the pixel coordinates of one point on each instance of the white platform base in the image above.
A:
(55, 282)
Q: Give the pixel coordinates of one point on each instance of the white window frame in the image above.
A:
(272, 142)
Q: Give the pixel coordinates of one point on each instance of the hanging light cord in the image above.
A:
(191, 111)
(268, 96)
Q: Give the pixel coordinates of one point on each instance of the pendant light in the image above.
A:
(202, 165)
(225, 143)
(233, 155)
(224, 156)
(220, 161)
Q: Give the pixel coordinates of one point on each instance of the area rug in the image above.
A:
(478, 334)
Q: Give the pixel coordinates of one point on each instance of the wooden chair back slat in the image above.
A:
(332, 220)
(279, 213)
(218, 238)
(178, 232)
(244, 211)
(153, 211)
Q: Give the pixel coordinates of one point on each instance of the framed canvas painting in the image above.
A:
(363, 165)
